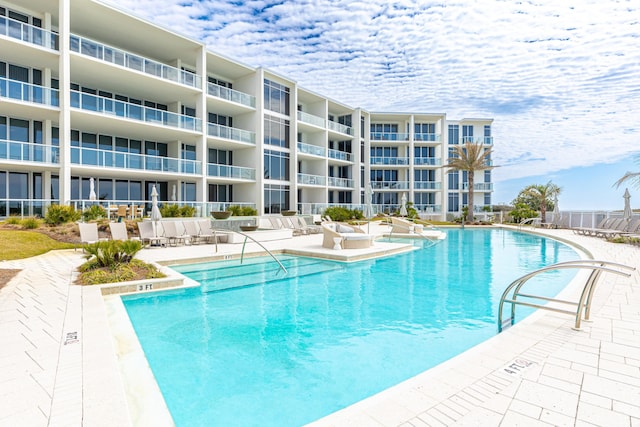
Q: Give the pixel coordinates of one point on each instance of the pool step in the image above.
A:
(270, 272)
(249, 266)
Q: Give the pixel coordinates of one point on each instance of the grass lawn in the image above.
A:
(18, 244)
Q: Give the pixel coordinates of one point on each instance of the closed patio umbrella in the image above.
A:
(627, 213)
(403, 206)
(556, 212)
(92, 189)
(155, 211)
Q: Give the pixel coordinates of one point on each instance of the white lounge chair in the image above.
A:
(336, 235)
(148, 234)
(119, 231)
(173, 235)
(89, 233)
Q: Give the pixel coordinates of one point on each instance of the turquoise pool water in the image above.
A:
(287, 351)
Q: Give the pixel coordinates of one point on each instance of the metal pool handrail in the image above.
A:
(246, 236)
(432, 241)
(597, 268)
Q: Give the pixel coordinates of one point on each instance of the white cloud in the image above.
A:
(560, 79)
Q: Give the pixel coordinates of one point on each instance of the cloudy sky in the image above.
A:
(561, 78)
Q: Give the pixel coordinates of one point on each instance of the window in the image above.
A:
(276, 165)
(220, 193)
(188, 191)
(219, 82)
(467, 133)
(219, 119)
(454, 134)
(454, 202)
(276, 131)
(220, 157)
(276, 97)
(453, 183)
(276, 198)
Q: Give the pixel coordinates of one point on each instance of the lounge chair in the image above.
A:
(89, 233)
(403, 226)
(309, 229)
(173, 235)
(192, 229)
(148, 235)
(589, 230)
(336, 235)
(276, 224)
(119, 231)
(216, 236)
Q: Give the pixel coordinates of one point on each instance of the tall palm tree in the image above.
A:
(544, 194)
(633, 176)
(470, 157)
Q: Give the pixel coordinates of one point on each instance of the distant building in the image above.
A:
(89, 91)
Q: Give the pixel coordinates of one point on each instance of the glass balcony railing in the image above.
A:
(389, 136)
(339, 155)
(428, 137)
(27, 92)
(485, 140)
(28, 33)
(311, 149)
(25, 207)
(132, 61)
(479, 186)
(304, 178)
(426, 208)
(339, 127)
(231, 95)
(227, 171)
(340, 182)
(311, 119)
(142, 162)
(127, 110)
(428, 161)
(389, 160)
(427, 185)
(234, 134)
(390, 185)
(28, 152)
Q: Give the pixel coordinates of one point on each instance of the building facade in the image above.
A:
(98, 106)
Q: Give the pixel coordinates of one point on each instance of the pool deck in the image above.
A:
(58, 364)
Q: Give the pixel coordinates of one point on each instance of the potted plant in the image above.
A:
(289, 213)
(220, 214)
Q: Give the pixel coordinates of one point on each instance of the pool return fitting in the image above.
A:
(512, 292)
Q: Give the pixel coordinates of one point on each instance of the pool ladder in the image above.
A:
(596, 267)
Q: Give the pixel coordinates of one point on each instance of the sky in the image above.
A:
(560, 78)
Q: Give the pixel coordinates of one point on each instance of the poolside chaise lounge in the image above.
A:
(345, 236)
(401, 225)
(148, 235)
(173, 235)
(89, 233)
(119, 231)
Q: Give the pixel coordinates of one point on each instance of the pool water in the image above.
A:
(285, 351)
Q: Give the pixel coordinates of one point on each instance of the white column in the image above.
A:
(64, 121)
(201, 145)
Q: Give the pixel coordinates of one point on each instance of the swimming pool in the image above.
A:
(289, 351)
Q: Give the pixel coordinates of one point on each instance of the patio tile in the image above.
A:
(601, 416)
(548, 397)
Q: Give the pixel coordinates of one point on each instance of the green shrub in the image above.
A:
(30, 223)
(237, 210)
(94, 212)
(111, 252)
(13, 219)
(118, 273)
(338, 213)
(57, 214)
(187, 211)
(522, 211)
(175, 211)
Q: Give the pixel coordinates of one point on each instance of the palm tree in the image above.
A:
(544, 195)
(634, 176)
(470, 157)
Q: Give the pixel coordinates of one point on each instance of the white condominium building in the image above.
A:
(99, 106)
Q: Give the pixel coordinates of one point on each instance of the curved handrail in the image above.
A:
(597, 267)
(526, 221)
(415, 233)
(246, 236)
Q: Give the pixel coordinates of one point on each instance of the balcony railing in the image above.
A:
(389, 160)
(427, 185)
(425, 208)
(311, 149)
(234, 134)
(231, 95)
(339, 155)
(27, 92)
(390, 185)
(227, 171)
(479, 186)
(428, 137)
(311, 119)
(340, 182)
(28, 33)
(338, 127)
(428, 161)
(127, 110)
(486, 140)
(28, 152)
(304, 178)
(116, 159)
(25, 207)
(389, 136)
(132, 61)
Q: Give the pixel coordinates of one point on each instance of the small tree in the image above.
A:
(543, 195)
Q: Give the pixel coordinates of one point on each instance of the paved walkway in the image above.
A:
(58, 365)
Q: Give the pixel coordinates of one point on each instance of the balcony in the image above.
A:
(28, 33)
(27, 92)
(426, 137)
(390, 185)
(480, 186)
(29, 152)
(427, 161)
(307, 179)
(231, 95)
(310, 149)
(428, 209)
(116, 159)
(485, 140)
(427, 185)
(310, 119)
(340, 155)
(337, 127)
(227, 171)
(388, 136)
(400, 161)
(340, 182)
(225, 132)
(99, 104)
(132, 61)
